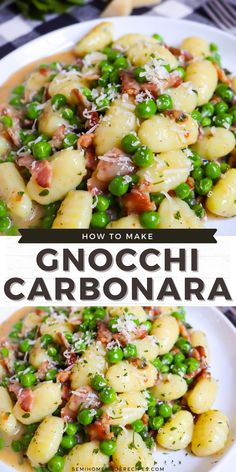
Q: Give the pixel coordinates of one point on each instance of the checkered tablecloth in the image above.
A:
(16, 30)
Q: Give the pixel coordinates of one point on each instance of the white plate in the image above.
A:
(173, 32)
(221, 336)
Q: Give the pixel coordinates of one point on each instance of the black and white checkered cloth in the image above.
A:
(16, 30)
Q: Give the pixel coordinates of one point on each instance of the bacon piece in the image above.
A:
(62, 340)
(63, 376)
(42, 172)
(93, 120)
(70, 410)
(137, 201)
(183, 55)
(65, 392)
(191, 183)
(14, 387)
(71, 359)
(222, 77)
(100, 430)
(42, 370)
(25, 399)
(145, 419)
(183, 330)
(25, 161)
(81, 101)
(103, 333)
(86, 140)
(128, 83)
(58, 137)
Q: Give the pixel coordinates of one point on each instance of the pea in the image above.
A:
(108, 447)
(206, 122)
(179, 369)
(98, 382)
(5, 224)
(114, 355)
(58, 100)
(118, 186)
(192, 365)
(146, 109)
(182, 191)
(51, 374)
(56, 464)
(199, 210)
(196, 159)
(165, 410)
(33, 110)
(207, 110)
(152, 411)
(7, 121)
(225, 92)
(102, 102)
(130, 143)
(114, 77)
(46, 339)
(130, 350)
(67, 114)
(42, 150)
(164, 369)
(196, 115)
(157, 198)
(149, 219)
(183, 345)
(112, 55)
(100, 313)
(179, 315)
(4, 352)
(157, 363)
(121, 63)
(26, 438)
(25, 346)
(16, 445)
(104, 80)
(179, 358)
(69, 140)
(181, 72)
(28, 380)
(102, 203)
(204, 186)
(224, 120)
(212, 170)
(68, 442)
(79, 346)
(137, 426)
(16, 102)
(158, 37)
(107, 68)
(213, 47)
(115, 429)
(224, 167)
(52, 351)
(107, 395)
(18, 90)
(221, 107)
(143, 157)
(156, 422)
(112, 325)
(100, 219)
(3, 209)
(86, 416)
(167, 358)
(147, 325)
(149, 442)
(144, 433)
(164, 102)
(140, 75)
(197, 173)
(87, 93)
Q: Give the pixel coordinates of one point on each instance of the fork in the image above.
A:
(222, 13)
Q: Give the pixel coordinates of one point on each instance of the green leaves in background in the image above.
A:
(36, 9)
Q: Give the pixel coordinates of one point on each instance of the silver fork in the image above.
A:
(222, 13)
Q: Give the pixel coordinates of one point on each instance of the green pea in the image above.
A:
(5, 224)
(179, 358)
(157, 198)
(114, 77)
(224, 167)
(56, 464)
(98, 382)
(144, 433)
(3, 209)
(79, 346)
(192, 365)
(140, 74)
(108, 447)
(147, 325)
(67, 114)
(25, 346)
(106, 69)
(196, 115)
(207, 110)
(86, 416)
(58, 100)
(107, 395)
(197, 173)
(146, 109)
(225, 92)
(137, 426)
(224, 120)
(100, 219)
(33, 110)
(52, 351)
(4, 352)
(181, 72)
(221, 107)
(130, 350)
(196, 159)
(152, 411)
(115, 429)
(16, 102)
(179, 369)
(28, 380)
(150, 443)
(118, 186)
(157, 363)
(212, 170)
(7, 121)
(149, 219)
(130, 143)
(156, 422)
(164, 369)
(143, 157)
(104, 80)
(18, 90)
(151, 399)
(164, 102)
(102, 102)
(102, 203)
(69, 140)
(167, 358)
(213, 47)
(112, 54)
(16, 445)
(198, 210)
(100, 313)
(206, 122)
(165, 410)
(68, 442)
(115, 355)
(121, 63)
(183, 345)
(87, 93)
(42, 150)
(158, 37)
(204, 186)
(112, 325)
(183, 191)
(51, 374)
(25, 440)
(179, 315)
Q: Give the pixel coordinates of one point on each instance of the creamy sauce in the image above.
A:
(18, 77)
(11, 458)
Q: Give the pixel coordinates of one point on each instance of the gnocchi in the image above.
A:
(177, 433)
(46, 440)
(210, 433)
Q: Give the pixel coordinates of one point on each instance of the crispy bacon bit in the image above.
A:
(222, 77)
(103, 333)
(92, 121)
(190, 182)
(183, 330)
(14, 387)
(63, 376)
(43, 70)
(137, 201)
(70, 410)
(25, 399)
(139, 363)
(140, 333)
(62, 340)
(100, 430)
(65, 392)
(86, 140)
(58, 137)
(71, 359)
(42, 172)
(145, 419)
(25, 161)
(183, 55)
(81, 101)
(42, 370)
(128, 83)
